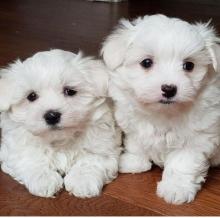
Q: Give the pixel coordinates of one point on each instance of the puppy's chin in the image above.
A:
(166, 107)
(55, 133)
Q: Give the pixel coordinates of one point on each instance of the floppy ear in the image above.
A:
(95, 74)
(99, 78)
(215, 55)
(117, 43)
(8, 87)
(6, 92)
(211, 41)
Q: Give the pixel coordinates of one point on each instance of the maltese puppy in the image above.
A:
(57, 125)
(166, 88)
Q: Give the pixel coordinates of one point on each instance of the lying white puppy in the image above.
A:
(57, 127)
(166, 87)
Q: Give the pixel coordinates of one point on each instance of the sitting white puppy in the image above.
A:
(57, 127)
(166, 88)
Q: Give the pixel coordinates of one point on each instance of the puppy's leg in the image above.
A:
(134, 159)
(183, 174)
(45, 184)
(98, 162)
(87, 177)
(34, 172)
(215, 160)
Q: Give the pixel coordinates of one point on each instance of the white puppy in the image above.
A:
(57, 127)
(166, 87)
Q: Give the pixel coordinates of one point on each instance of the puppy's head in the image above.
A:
(159, 60)
(52, 91)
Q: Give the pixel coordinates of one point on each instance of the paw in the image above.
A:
(130, 163)
(45, 185)
(83, 185)
(176, 193)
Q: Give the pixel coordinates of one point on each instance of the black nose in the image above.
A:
(52, 117)
(169, 91)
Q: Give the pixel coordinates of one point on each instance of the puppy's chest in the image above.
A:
(62, 162)
(62, 159)
(159, 142)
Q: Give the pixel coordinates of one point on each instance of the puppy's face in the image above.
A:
(164, 61)
(52, 91)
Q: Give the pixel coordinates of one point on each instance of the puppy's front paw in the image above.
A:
(45, 185)
(130, 163)
(176, 193)
(83, 185)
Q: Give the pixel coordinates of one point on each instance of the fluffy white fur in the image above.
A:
(82, 152)
(183, 137)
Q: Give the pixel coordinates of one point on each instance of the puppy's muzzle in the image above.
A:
(52, 117)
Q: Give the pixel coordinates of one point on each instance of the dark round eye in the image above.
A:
(188, 66)
(32, 96)
(147, 63)
(68, 91)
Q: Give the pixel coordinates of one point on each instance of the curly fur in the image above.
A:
(82, 152)
(184, 136)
